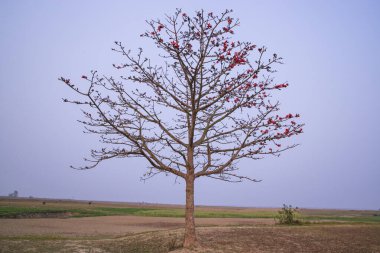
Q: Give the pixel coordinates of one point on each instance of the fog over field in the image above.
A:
(331, 53)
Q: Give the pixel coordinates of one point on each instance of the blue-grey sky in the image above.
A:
(331, 52)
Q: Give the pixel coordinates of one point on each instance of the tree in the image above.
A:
(13, 194)
(204, 109)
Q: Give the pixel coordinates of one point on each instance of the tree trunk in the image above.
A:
(190, 237)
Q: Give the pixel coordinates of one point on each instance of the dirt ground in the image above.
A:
(324, 238)
(132, 234)
(110, 226)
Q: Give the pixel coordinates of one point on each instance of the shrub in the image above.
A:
(288, 215)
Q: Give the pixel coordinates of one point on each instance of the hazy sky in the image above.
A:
(331, 51)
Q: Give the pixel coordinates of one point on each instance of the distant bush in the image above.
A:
(288, 216)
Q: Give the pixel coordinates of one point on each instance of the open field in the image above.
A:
(34, 208)
(75, 226)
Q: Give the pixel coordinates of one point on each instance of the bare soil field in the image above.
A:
(109, 226)
(255, 238)
(62, 232)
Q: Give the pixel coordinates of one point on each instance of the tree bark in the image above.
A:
(190, 237)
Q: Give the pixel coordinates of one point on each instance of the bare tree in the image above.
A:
(204, 109)
(13, 194)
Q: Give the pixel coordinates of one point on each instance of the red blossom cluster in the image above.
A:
(279, 86)
(226, 29)
(271, 121)
(289, 116)
(247, 86)
(225, 46)
(238, 59)
(159, 28)
(175, 44)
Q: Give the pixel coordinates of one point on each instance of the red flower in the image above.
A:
(225, 46)
(175, 44)
(229, 20)
(160, 27)
(225, 29)
(209, 26)
(237, 59)
(289, 116)
(279, 86)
